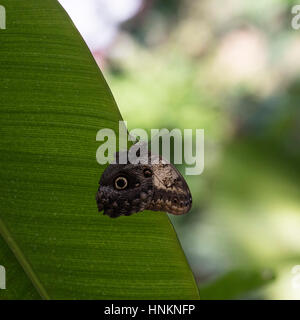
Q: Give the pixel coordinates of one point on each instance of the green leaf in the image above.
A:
(54, 244)
(236, 284)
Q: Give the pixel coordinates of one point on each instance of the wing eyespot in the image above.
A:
(121, 183)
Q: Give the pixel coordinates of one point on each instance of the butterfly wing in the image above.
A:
(157, 186)
(171, 192)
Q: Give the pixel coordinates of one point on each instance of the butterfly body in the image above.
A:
(129, 188)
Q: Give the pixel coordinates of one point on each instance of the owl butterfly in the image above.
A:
(129, 188)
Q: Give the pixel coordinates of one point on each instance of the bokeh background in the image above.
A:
(232, 68)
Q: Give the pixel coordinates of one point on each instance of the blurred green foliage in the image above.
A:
(231, 68)
(236, 284)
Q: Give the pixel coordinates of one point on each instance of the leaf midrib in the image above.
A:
(23, 261)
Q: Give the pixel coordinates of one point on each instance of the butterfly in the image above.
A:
(129, 188)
